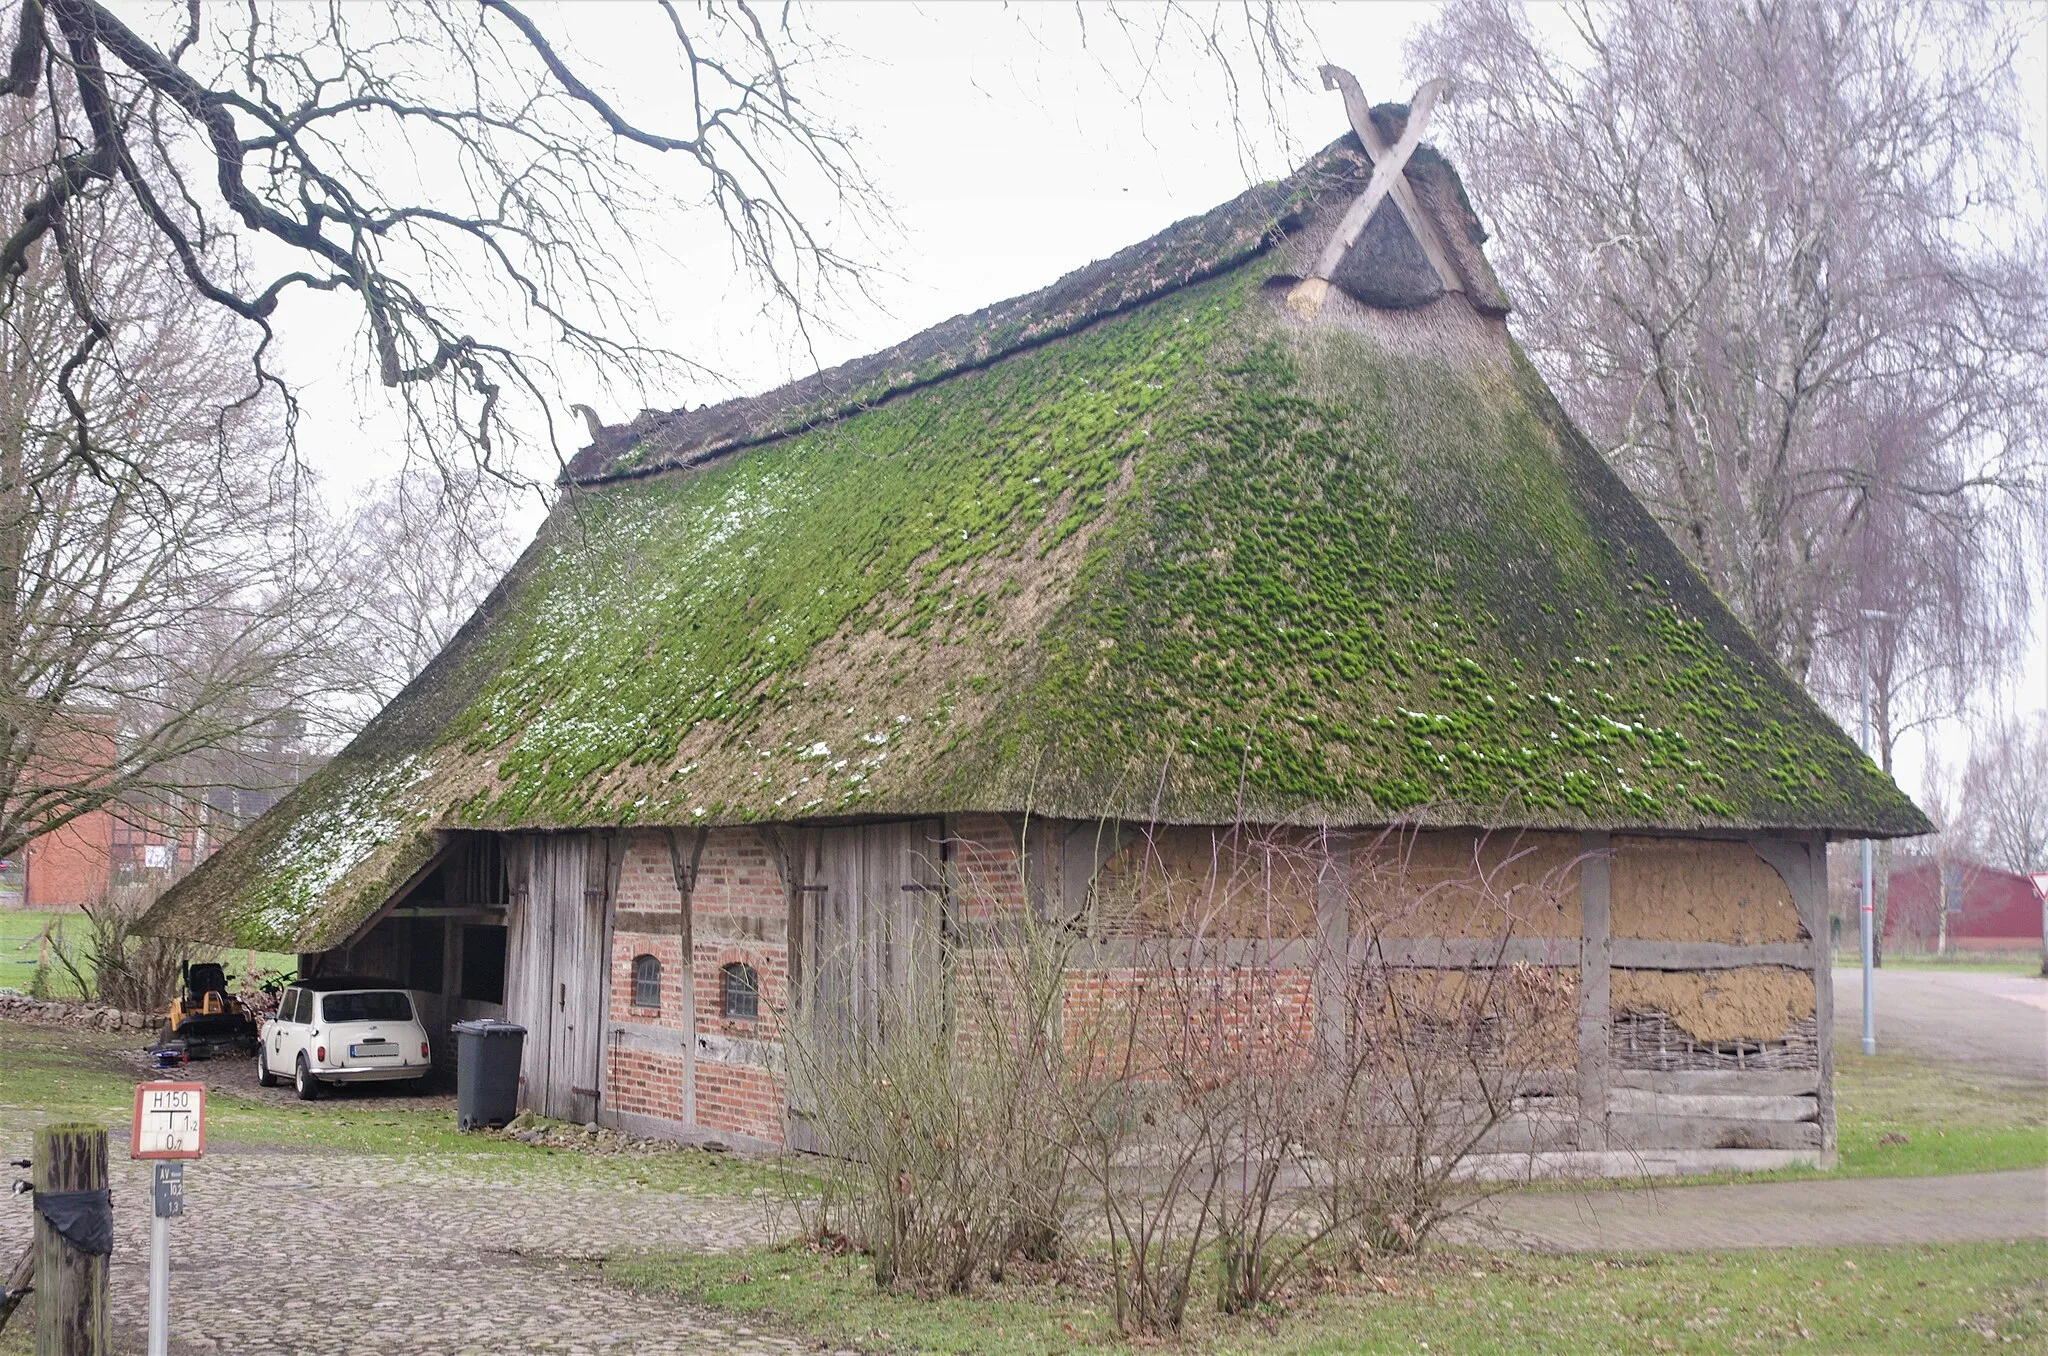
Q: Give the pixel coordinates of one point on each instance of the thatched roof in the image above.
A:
(1143, 545)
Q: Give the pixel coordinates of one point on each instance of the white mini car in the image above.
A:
(343, 1030)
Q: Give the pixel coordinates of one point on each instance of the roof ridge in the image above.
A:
(1187, 252)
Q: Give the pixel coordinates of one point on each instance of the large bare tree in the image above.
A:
(414, 556)
(472, 177)
(153, 594)
(1785, 263)
(449, 166)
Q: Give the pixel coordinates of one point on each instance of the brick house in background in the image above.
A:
(1963, 906)
(69, 866)
(138, 842)
(970, 626)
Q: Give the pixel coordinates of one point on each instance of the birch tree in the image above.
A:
(2005, 794)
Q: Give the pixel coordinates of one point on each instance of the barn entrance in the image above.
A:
(865, 942)
(558, 971)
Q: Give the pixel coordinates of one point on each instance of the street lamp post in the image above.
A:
(1868, 909)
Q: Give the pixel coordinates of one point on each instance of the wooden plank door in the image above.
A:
(560, 973)
(530, 964)
(869, 906)
(582, 979)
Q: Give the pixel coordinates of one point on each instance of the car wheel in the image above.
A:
(264, 1077)
(303, 1082)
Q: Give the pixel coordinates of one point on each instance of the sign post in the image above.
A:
(170, 1127)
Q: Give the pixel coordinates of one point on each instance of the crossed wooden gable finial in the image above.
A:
(1388, 181)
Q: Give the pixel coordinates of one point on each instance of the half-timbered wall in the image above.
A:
(740, 916)
(1703, 1037)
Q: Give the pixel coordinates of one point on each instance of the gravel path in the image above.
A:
(1978, 1207)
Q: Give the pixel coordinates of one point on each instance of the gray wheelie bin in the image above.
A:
(487, 1073)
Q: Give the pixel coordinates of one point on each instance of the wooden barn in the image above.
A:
(1965, 906)
(1265, 521)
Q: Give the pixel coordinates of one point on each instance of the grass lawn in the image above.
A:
(21, 947)
(1988, 962)
(1953, 1118)
(1959, 1297)
(47, 1074)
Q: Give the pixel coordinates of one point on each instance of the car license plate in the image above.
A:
(370, 1049)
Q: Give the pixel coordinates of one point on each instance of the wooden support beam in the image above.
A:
(1646, 1134)
(1595, 1022)
(1721, 1082)
(1628, 953)
(1803, 862)
(1333, 943)
(1722, 1106)
(1458, 953)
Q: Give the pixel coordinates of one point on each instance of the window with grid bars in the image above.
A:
(646, 982)
(739, 992)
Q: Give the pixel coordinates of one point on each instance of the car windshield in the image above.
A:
(380, 1005)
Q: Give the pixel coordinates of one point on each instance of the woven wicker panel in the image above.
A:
(1652, 1041)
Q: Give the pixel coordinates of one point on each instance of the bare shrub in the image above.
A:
(113, 965)
(1434, 1063)
(1236, 1054)
(943, 1165)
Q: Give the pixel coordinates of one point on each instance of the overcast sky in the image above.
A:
(1010, 157)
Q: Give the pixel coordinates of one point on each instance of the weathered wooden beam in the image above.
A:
(1122, 953)
(1721, 1106)
(654, 922)
(649, 1037)
(1596, 1023)
(1333, 942)
(1530, 1134)
(1457, 953)
(1628, 953)
(1722, 1082)
(1803, 863)
(1645, 1133)
(71, 1283)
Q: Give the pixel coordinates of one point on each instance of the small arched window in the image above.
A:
(739, 992)
(646, 982)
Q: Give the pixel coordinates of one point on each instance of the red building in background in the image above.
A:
(69, 866)
(160, 838)
(1984, 908)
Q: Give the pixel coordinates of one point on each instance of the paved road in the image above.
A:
(1980, 1207)
(1992, 1021)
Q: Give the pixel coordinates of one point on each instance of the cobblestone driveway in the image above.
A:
(306, 1252)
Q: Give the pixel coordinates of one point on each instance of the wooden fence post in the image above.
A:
(71, 1284)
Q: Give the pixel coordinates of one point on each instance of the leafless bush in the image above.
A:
(1434, 1063)
(942, 1165)
(1238, 1053)
(114, 966)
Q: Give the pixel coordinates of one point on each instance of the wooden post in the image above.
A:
(71, 1285)
(1596, 1022)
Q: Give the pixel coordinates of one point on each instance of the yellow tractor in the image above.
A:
(208, 1020)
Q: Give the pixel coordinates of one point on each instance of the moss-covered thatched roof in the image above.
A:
(1144, 545)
